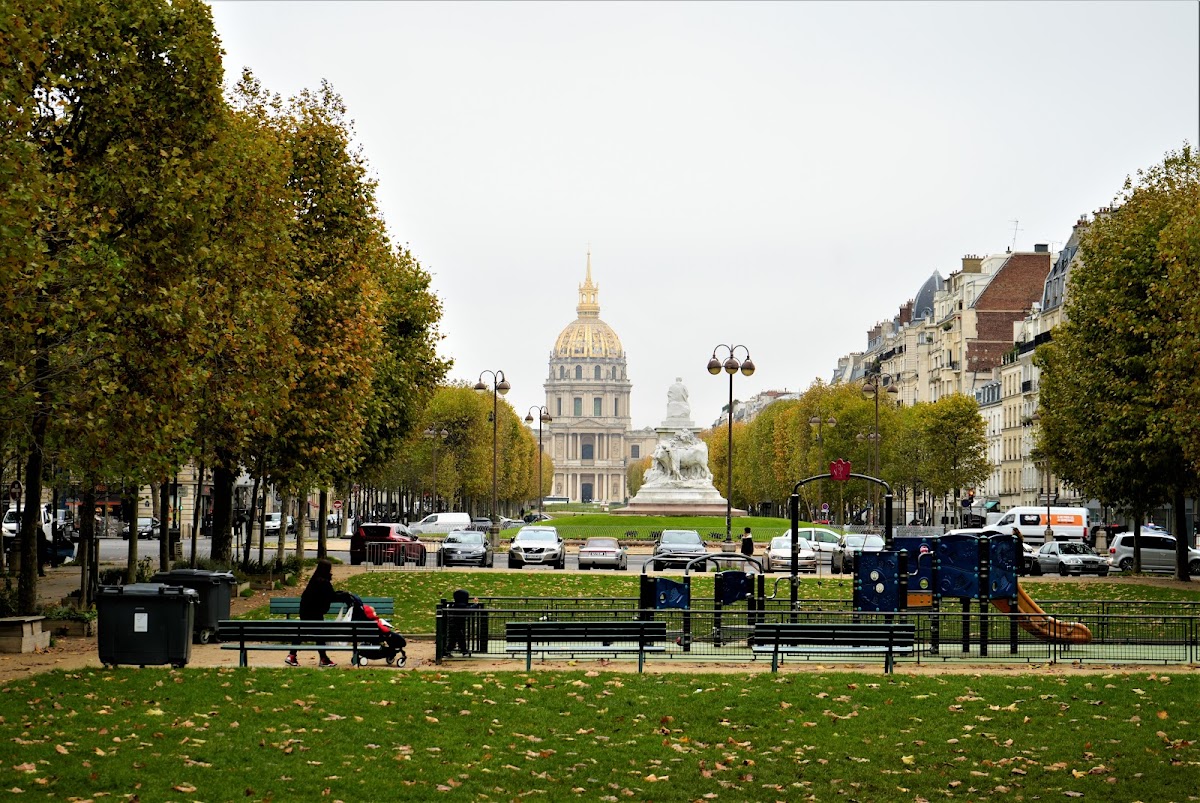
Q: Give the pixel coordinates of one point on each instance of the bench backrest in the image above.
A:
(868, 634)
(294, 630)
(290, 606)
(582, 630)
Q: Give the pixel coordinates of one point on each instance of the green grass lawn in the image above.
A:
(417, 593)
(381, 734)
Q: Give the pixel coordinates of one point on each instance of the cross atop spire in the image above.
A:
(589, 293)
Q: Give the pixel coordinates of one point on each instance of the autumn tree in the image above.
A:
(1119, 385)
(113, 107)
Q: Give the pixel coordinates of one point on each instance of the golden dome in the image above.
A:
(588, 337)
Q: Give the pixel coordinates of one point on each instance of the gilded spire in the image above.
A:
(589, 300)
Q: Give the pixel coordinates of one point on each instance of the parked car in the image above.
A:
(823, 542)
(1027, 558)
(849, 544)
(442, 523)
(507, 523)
(1158, 553)
(532, 518)
(466, 548)
(481, 524)
(677, 548)
(1067, 558)
(603, 552)
(148, 527)
(398, 541)
(537, 545)
(272, 523)
(779, 554)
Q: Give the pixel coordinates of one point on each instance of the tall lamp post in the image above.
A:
(499, 387)
(1036, 419)
(434, 436)
(731, 366)
(819, 422)
(543, 418)
(870, 389)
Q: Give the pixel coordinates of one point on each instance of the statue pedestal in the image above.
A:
(676, 500)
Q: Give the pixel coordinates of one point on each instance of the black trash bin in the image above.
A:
(216, 594)
(145, 624)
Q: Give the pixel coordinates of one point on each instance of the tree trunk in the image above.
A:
(301, 526)
(131, 569)
(285, 506)
(85, 551)
(1182, 542)
(222, 514)
(164, 526)
(32, 520)
(323, 524)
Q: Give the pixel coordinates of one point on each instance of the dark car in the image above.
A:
(849, 545)
(380, 542)
(466, 548)
(677, 548)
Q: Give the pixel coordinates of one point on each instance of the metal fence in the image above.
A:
(725, 634)
(384, 556)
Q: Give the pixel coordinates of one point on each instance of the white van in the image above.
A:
(441, 523)
(1068, 523)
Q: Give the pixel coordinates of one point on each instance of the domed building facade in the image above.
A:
(587, 395)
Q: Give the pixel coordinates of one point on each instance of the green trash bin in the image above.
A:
(145, 624)
(216, 595)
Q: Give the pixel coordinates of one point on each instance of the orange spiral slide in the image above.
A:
(1047, 628)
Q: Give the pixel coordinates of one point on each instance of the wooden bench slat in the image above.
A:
(579, 636)
(290, 634)
(824, 638)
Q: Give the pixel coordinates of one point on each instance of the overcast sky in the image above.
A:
(779, 175)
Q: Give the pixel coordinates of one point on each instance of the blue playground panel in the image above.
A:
(877, 582)
(671, 594)
(958, 572)
(920, 561)
(1002, 566)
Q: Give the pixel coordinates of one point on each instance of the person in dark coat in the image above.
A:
(747, 543)
(318, 595)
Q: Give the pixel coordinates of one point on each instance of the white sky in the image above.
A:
(780, 175)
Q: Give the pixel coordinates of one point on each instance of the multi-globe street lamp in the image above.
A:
(499, 387)
(543, 418)
(731, 366)
(434, 435)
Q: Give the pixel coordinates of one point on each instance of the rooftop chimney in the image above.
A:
(972, 263)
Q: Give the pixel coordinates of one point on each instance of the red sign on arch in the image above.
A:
(839, 470)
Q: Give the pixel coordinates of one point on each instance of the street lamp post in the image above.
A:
(819, 422)
(1036, 419)
(871, 389)
(499, 387)
(731, 366)
(434, 436)
(543, 418)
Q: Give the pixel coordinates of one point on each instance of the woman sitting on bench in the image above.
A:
(318, 595)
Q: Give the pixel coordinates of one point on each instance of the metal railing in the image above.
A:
(946, 636)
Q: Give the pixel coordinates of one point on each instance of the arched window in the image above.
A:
(579, 372)
(562, 372)
(596, 373)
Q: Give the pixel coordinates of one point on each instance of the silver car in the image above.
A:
(677, 548)
(1067, 558)
(603, 553)
(851, 543)
(1158, 553)
(537, 546)
(779, 555)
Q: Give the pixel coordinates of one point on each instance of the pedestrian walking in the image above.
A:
(747, 543)
(318, 595)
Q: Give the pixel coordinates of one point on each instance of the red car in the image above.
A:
(382, 543)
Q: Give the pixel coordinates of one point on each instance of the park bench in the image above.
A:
(286, 635)
(290, 606)
(888, 639)
(581, 636)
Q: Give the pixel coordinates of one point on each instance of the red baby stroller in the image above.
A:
(389, 645)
